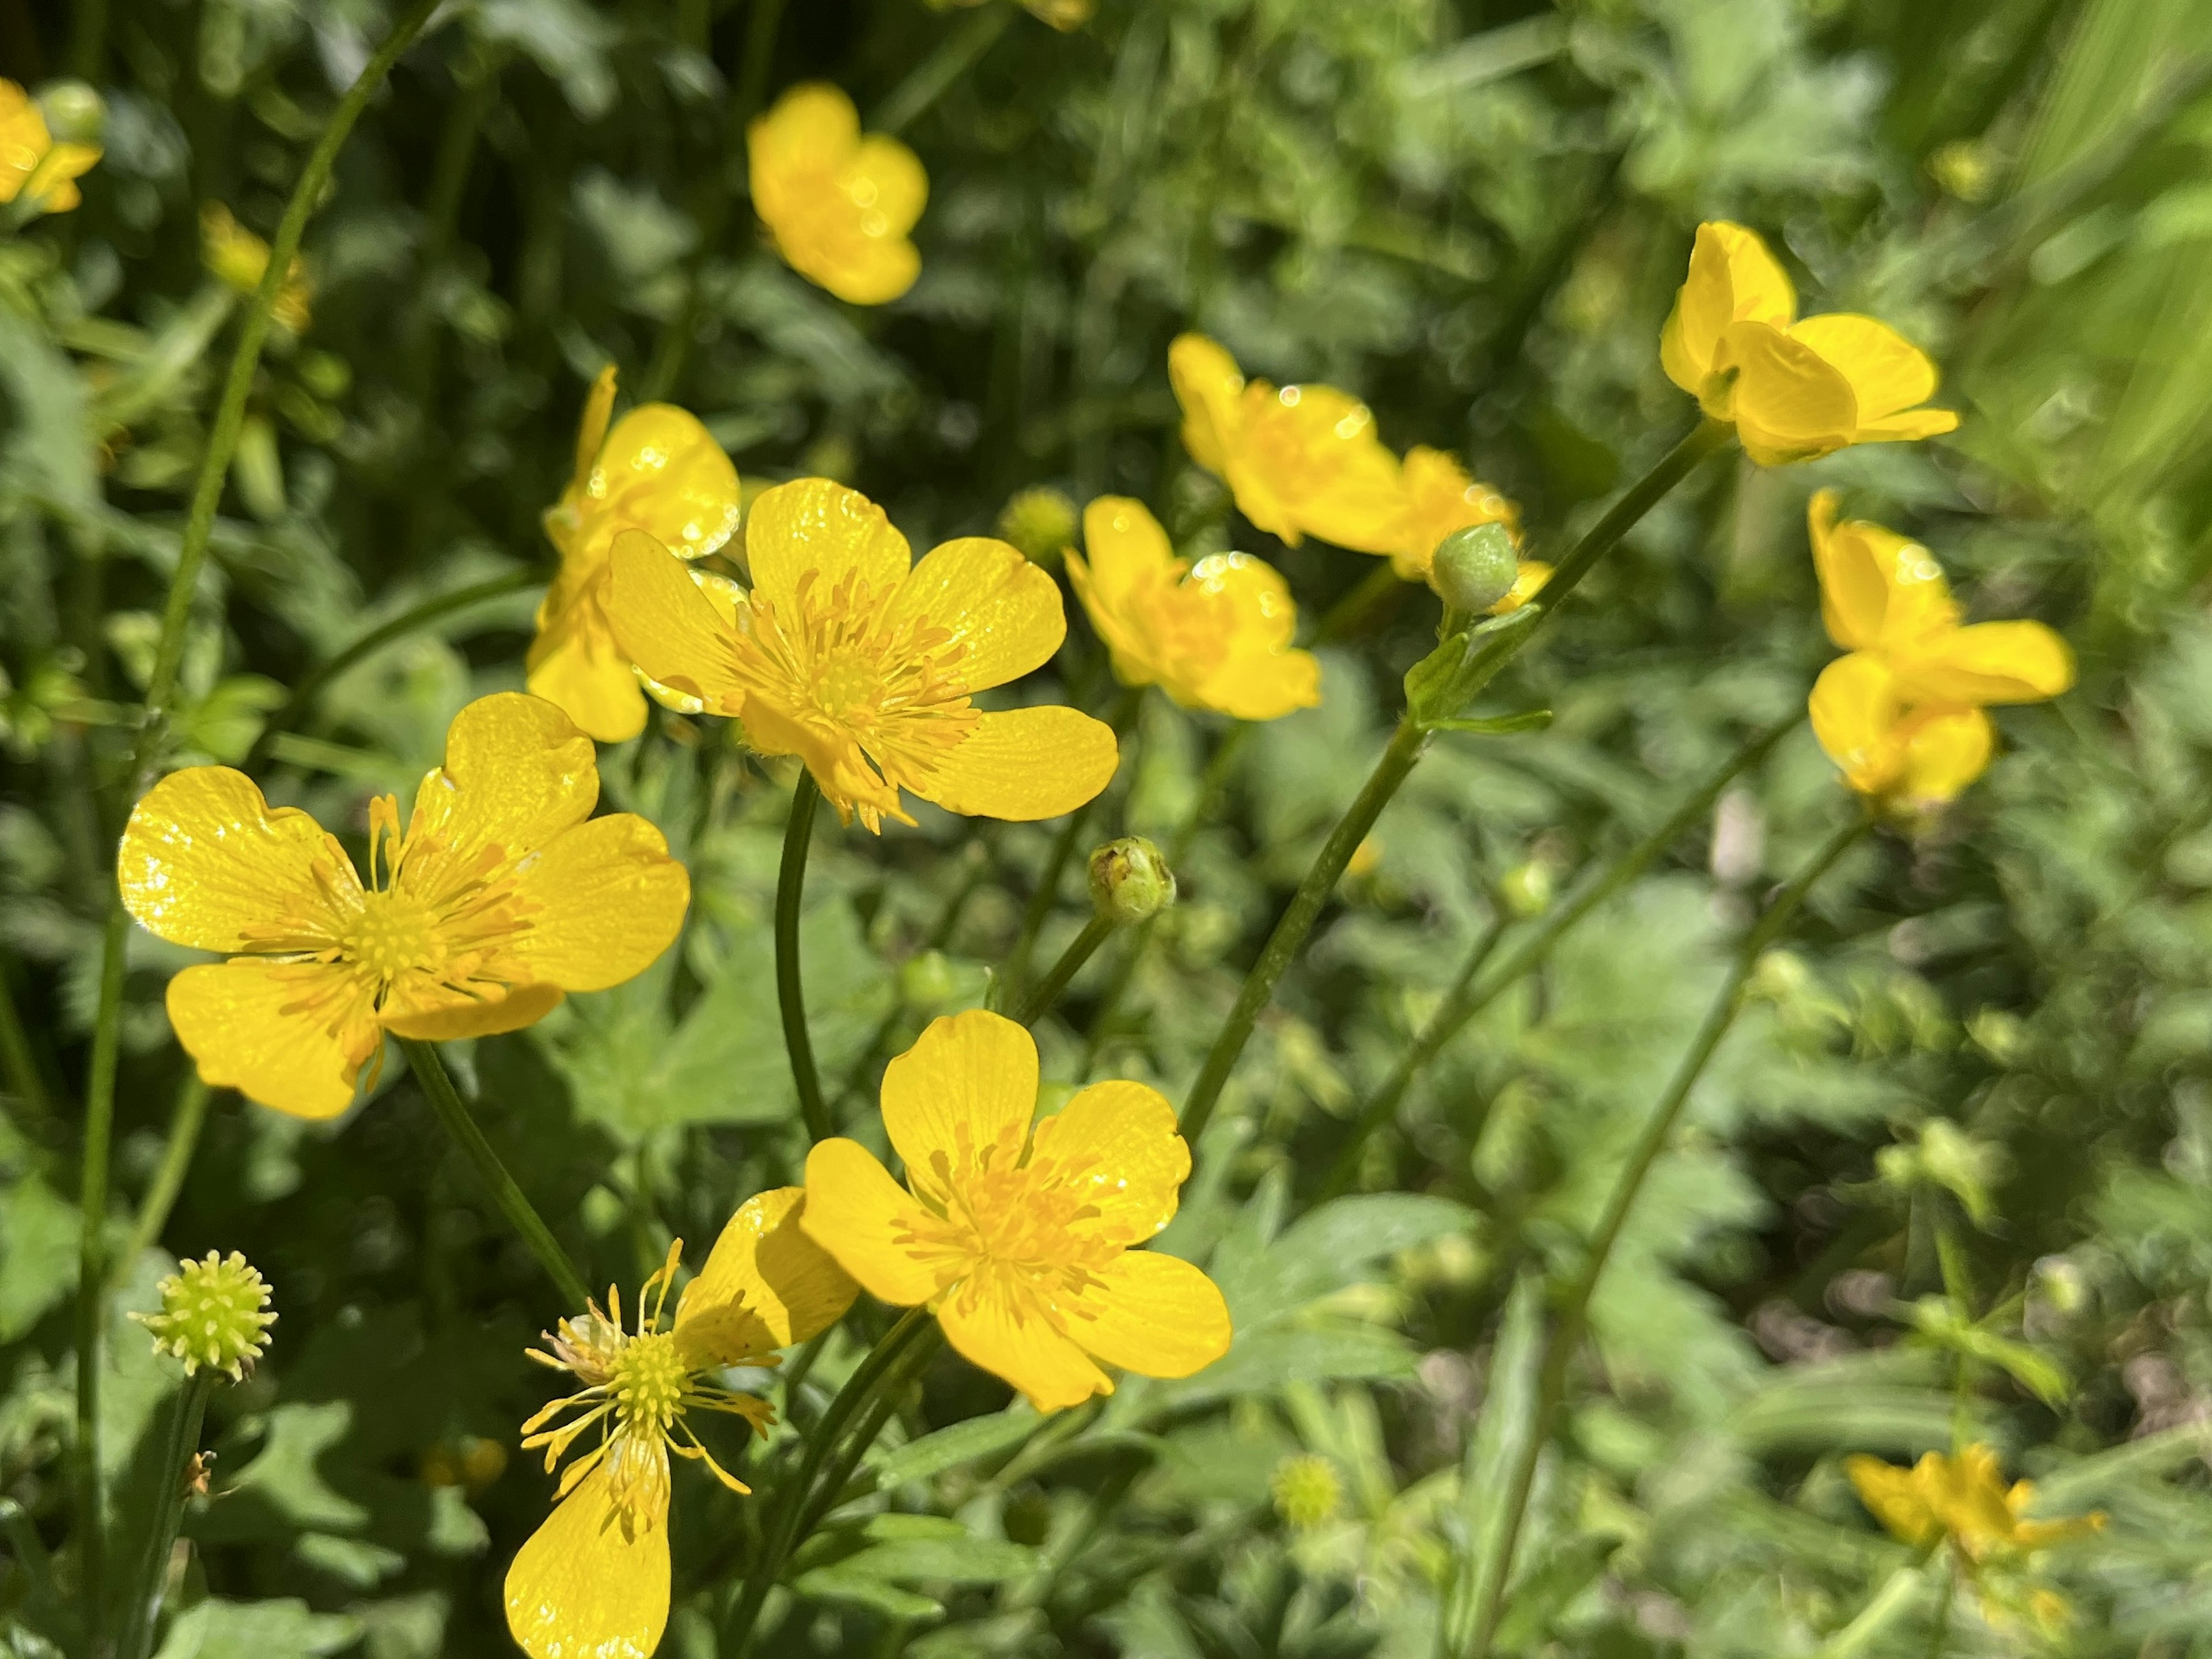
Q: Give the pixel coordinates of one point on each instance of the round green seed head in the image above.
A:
(1040, 522)
(1474, 568)
(1130, 881)
(211, 1315)
(1306, 1491)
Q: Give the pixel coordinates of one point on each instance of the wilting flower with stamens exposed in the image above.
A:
(594, 1579)
(658, 470)
(499, 897)
(35, 165)
(1794, 391)
(864, 664)
(1216, 634)
(1023, 1240)
(838, 204)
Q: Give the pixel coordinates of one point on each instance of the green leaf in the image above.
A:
(962, 1560)
(38, 1255)
(265, 1630)
(962, 1443)
(1533, 720)
(842, 1583)
(1332, 1246)
(1501, 1436)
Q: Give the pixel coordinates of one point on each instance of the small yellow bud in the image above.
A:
(211, 1315)
(1306, 1491)
(1130, 881)
(1041, 523)
(1474, 568)
(1526, 889)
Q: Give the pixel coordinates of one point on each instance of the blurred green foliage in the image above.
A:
(1952, 1176)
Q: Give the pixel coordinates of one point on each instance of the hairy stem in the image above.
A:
(1079, 951)
(790, 989)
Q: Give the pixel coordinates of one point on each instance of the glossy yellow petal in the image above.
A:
(885, 180)
(1258, 675)
(813, 525)
(859, 270)
(664, 623)
(811, 133)
(1855, 715)
(1116, 1145)
(993, 1321)
(1854, 592)
(206, 862)
(1002, 612)
(1527, 582)
(453, 1014)
(857, 1214)
(1887, 372)
(833, 756)
(575, 664)
(1879, 590)
(1894, 1499)
(1943, 753)
(969, 1084)
(1732, 278)
(584, 1587)
(838, 206)
(661, 472)
(1152, 1314)
(1127, 548)
(1910, 427)
(606, 900)
(1991, 663)
(1313, 450)
(591, 429)
(517, 773)
(1025, 764)
(764, 1263)
(291, 1036)
(1208, 385)
(1788, 402)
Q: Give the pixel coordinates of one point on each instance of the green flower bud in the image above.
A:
(1130, 881)
(211, 1315)
(74, 111)
(927, 981)
(1041, 523)
(1474, 568)
(1306, 1491)
(1526, 889)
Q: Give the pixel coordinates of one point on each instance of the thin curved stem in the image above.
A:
(1467, 998)
(929, 80)
(185, 1127)
(837, 1472)
(790, 988)
(452, 1111)
(1573, 1311)
(143, 1607)
(1079, 950)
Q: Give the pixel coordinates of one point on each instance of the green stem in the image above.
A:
(1360, 602)
(16, 1056)
(160, 1198)
(1079, 951)
(1468, 998)
(140, 1611)
(1898, 1592)
(760, 56)
(837, 1474)
(420, 615)
(1638, 499)
(91, 1268)
(1397, 763)
(955, 55)
(1568, 1325)
(783, 1535)
(790, 990)
(445, 1100)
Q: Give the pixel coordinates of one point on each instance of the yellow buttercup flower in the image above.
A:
(1436, 497)
(33, 166)
(237, 259)
(658, 470)
(1902, 714)
(1302, 461)
(1023, 1240)
(592, 1580)
(1213, 635)
(865, 668)
(1963, 1498)
(1793, 389)
(839, 205)
(499, 898)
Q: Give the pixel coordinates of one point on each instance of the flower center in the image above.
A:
(847, 686)
(394, 935)
(648, 1381)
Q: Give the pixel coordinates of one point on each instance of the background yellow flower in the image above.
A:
(499, 898)
(237, 257)
(1436, 497)
(863, 664)
(1216, 636)
(1024, 1242)
(32, 164)
(839, 205)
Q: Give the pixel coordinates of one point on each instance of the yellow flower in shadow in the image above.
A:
(1794, 391)
(1213, 635)
(864, 664)
(839, 205)
(1023, 1240)
(498, 898)
(237, 259)
(33, 166)
(1301, 460)
(658, 470)
(1903, 714)
(594, 1579)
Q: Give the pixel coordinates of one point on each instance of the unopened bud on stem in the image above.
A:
(1474, 568)
(1130, 881)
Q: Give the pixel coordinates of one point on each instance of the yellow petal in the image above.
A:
(206, 862)
(1732, 278)
(1438, 497)
(668, 627)
(1126, 545)
(453, 1014)
(813, 525)
(859, 268)
(1891, 1495)
(969, 1082)
(1878, 589)
(1208, 385)
(1788, 403)
(1910, 427)
(1116, 1147)
(582, 1587)
(1991, 663)
(801, 143)
(661, 472)
(609, 900)
(885, 177)
(266, 1029)
(575, 664)
(1152, 1314)
(1528, 581)
(1001, 610)
(1855, 715)
(592, 430)
(1943, 753)
(1887, 372)
(1314, 449)
(855, 1211)
(1025, 764)
(765, 1263)
(1258, 675)
(517, 773)
(994, 1322)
